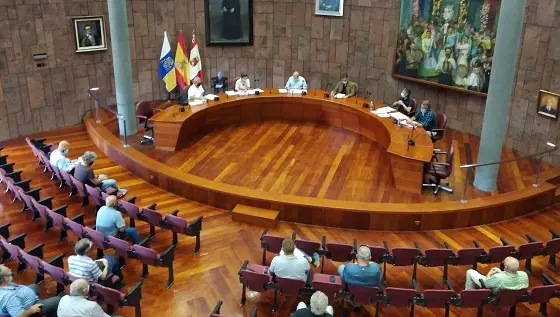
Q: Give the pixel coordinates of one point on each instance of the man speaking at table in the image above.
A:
(345, 87)
(196, 91)
(296, 82)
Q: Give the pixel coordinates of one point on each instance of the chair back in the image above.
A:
(57, 219)
(400, 297)
(109, 296)
(254, 277)
(145, 255)
(552, 246)
(340, 252)
(56, 273)
(363, 295)
(75, 227)
(437, 257)
(469, 256)
(130, 209)
(508, 298)
(377, 253)
(154, 218)
(499, 253)
(144, 108)
(97, 237)
(121, 246)
(31, 261)
(437, 298)
(13, 250)
(321, 282)
(80, 186)
(542, 294)
(271, 243)
(57, 172)
(32, 146)
(67, 178)
(528, 250)
(290, 286)
(474, 297)
(41, 209)
(177, 224)
(95, 194)
(405, 256)
(309, 247)
(441, 120)
(413, 104)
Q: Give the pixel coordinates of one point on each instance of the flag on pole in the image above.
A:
(181, 62)
(195, 64)
(166, 65)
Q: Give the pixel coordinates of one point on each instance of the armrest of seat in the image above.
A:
(58, 261)
(448, 284)
(152, 206)
(38, 141)
(47, 202)
(34, 193)
(131, 200)
(555, 235)
(79, 219)
(37, 250)
(24, 185)
(175, 212)
(547, 280)
(504, 242)
(216, 310)
(530, 238)
(265, 231)
(61, 210)
(8, 167)
(19, 240)
(386, 246)
(168, 256)
(134, 295)
(194, 227)
(16, 176)
(294, 235)
(5, 230)
(3, 159)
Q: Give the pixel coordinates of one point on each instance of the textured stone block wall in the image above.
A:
(287, 37)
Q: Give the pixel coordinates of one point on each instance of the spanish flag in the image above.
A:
(181, 62)
(166, 65)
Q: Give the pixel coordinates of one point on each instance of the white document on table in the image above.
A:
(381, 115)
(339, 96)
(230, 93)
(195, 102)
(211, 97)
(259, 90)
(397, 115)
(251, 92)
(298, 91)
(385, 110)
(283, 91)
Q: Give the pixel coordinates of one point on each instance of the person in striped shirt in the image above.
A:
(82, 266)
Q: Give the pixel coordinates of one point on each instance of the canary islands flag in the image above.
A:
(167, 65)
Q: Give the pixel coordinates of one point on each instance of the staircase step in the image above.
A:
(256, 216)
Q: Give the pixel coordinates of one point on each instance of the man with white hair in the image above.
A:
(296, 82)
(77, 303)
(319, 303)
(58, 157)
(111, 223)
(196, 91)
(510, 278)
(84, 173)
(363, 273)
(82, 266)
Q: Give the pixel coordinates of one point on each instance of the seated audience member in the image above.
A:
(58, 158)
(23, 301)
(110, 222)
(363, 273)
(405, 103)
(319, 303)
(425, 118)
(511, 278)
(296, 82)
(84, 173)
(77, 303)
(82, 266)
(196, 91)
(243, 83)
(289, 265)
(345, 87)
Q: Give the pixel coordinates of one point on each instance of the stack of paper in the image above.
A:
(283, 91)
(297, 91)
(385, 110)
(211, 97)
(339, 96)
(381, 115)
(230, 93)
(250, 92)
(195, 102)
(259, 90)
(398, 115)
(406, 124)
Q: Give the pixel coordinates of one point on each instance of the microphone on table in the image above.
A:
(411, 141)
(255, 81)
(366, 104)
(327, 94)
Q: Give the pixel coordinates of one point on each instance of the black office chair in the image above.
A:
(144, 111)
(440, 171)
(219, 84)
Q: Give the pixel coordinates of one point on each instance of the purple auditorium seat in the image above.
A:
(472, 298)
(550, 248)
(436, 298)
(58, 221)
(288, 287)
(436, 257)
(506, 300)
(543, 294)
(468, 256)
(153, 218)
(42, 210)
(254, 278)
(401, 297)
(115, 299)
(76, 225)
(98, 238)
(13, 250)
(150, 257)
(95, 195)
(7, 170)
(6, 245)
(48, 166)
(128, 208)
(495, 254)
(271, 243)
(321, 282)
(526, 252)
(59, 176)
(32, 262)
(309, 247)
(56, 273)
(179, 225)
(402, 257)
(339, 252)
(68, 181)
(365, 295)
(80, 190)
(35, 146)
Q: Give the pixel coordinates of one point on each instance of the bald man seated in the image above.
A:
(510, 278)
(196, 91)
(77, 303)
(296, 82)
(58, 158)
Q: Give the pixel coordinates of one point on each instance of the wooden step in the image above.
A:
(256, 216)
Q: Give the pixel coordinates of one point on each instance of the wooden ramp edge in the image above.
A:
(255, 216)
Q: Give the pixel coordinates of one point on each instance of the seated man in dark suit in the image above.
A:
(363, 273)
(405, 104)
(548, 108)
(345, 87)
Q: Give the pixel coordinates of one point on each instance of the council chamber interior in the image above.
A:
(279, 158)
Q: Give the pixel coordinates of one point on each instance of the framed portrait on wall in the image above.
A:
(89, 32)
(447, 43)
(329, 7)
(547, 104)
(229, 22)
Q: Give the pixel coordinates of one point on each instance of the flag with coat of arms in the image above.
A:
(167, 65)
(195, 63)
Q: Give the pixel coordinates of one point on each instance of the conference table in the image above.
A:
(174, 126)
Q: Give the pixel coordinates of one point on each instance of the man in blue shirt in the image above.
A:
(363, 273)
(425, 118)
(110, 221)
(296, 82)
(23, 301)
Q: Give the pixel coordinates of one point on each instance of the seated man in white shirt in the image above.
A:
(77, 303)
(243, 83)
(296, 82)
(196, 91)
(58, 157)
(290, 265)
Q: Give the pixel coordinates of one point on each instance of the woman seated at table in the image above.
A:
(405, 104)
(243, 83)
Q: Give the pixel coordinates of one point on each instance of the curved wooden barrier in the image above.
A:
(318, 211)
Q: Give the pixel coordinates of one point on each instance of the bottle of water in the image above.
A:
(371, 105)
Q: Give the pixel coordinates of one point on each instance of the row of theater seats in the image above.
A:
(171, 222)
(253, 276)
(433, 257)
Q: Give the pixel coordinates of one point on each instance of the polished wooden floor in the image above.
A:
(317, 160)
(201, 280)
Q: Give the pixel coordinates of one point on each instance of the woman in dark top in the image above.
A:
(405, 104)
(231, 22)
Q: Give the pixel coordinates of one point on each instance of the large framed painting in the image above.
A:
(89, 32)
(329, 7)
(447, 43)
(548, 104)
(229, 22)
